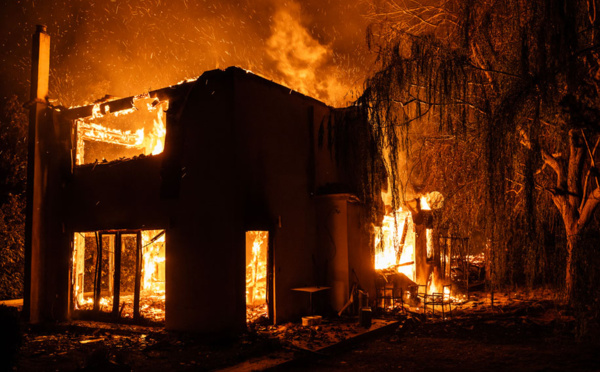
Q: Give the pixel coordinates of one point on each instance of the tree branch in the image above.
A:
(556, 166)
(592, 153)
(574, 168)
(494, 71)
(588, 209)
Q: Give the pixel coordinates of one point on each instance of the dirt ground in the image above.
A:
(510, 343)
(522, 335)
(91, 346)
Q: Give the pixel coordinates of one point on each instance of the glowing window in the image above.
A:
(107, 136)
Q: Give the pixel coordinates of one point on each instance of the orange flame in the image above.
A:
(301, 58)
(388, 243)
(256, 270)
(106, 127)
(153, 255)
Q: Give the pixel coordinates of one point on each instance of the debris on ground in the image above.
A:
(516, 320)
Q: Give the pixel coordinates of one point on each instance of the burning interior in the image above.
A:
(257, 246)
(137, 130)
(121, 273)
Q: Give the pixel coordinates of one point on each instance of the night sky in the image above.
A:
(125, 48)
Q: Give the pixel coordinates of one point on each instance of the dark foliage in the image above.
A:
(13, 170)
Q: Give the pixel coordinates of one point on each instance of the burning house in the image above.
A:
(203, 195)
(201, 205)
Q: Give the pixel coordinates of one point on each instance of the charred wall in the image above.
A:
(278, 169)
(117, 195)
(205, 258)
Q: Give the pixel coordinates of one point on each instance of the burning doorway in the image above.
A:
(257, 275)
(119, 274)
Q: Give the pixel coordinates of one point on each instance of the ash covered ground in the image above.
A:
(525, 332)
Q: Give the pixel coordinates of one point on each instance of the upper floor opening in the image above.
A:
(108, 136)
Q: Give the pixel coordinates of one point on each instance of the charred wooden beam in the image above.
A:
(117, 276)
(138, 277)
(98, 273)
(121, 104)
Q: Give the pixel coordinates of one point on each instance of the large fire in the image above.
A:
(95, 264)
(303, 61)
(394, 244)
(107, 136)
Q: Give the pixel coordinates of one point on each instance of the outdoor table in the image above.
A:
(310, 291)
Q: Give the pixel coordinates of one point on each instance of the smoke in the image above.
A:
(124, 48)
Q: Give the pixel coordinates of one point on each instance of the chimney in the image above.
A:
(40, 71)
(40, 67)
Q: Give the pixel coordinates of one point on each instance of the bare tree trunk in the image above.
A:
(575, 203)
(571, 267)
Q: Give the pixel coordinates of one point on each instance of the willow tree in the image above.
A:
(515, 84)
